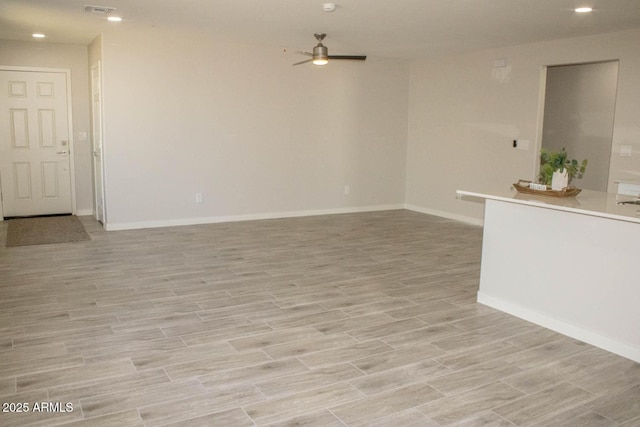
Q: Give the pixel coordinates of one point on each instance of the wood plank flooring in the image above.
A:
(364, 319)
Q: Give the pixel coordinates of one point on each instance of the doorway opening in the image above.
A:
(579, 111)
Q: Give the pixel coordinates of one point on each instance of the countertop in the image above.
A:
(588, 202)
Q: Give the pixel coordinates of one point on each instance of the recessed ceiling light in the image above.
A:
(584, 10)
(38, 35)
(328, 7)
(114, 19)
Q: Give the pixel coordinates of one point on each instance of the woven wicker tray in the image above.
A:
(522, 186)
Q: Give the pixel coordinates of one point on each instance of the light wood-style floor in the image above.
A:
(340, 320)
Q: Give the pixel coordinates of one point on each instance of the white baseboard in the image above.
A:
(563, 327)
(443, 214)
(248, 217)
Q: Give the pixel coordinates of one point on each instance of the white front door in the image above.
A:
(35, 172)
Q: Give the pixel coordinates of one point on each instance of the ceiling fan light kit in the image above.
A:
(320, 54)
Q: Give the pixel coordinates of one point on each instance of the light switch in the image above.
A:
(83, 136)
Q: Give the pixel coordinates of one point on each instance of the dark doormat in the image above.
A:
(45, 230)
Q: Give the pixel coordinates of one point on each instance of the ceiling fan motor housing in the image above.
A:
(320, 52)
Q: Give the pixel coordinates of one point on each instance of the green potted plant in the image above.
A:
(556, 165)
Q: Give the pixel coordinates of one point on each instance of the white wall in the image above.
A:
(259, 137)
(255, 135)
(73, 57)
(462, 120)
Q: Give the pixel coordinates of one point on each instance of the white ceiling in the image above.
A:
(392, 28)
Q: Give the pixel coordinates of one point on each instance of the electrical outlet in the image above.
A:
(198, 197)
(625, 150)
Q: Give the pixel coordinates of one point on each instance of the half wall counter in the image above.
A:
(570, 264)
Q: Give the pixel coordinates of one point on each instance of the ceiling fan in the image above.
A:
(320, 54)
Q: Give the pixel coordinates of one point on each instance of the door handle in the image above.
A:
(62, 152)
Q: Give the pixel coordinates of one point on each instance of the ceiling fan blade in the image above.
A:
(352, 57)
(304, 52)
(303, 62)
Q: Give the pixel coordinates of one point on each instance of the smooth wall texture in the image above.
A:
(464, 113)
(248, 131)
(73, 57)
(256, 137)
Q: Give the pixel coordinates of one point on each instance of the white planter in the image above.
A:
(560, 180)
